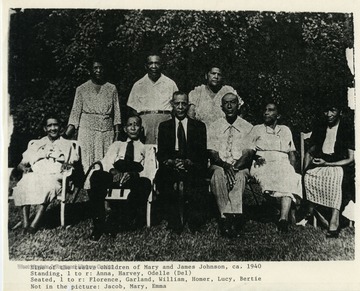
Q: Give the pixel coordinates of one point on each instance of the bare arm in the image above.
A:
(308, 158)
(322, 163)
(245, 160)
(69, 132)
(292, 158)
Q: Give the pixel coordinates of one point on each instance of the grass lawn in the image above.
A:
(260, 241)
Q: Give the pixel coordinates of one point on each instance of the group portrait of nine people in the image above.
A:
(201, 139)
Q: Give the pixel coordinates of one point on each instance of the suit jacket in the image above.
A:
(195, 143)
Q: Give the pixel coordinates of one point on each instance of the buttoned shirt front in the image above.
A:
(229, 140)
(184, 124)
(146, 95)
(117, 152)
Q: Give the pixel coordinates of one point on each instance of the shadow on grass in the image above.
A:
(74, 214)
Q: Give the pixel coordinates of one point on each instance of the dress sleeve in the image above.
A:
(117, 114)
(33, 153)
(175, 88)
(76, 110)
(192, 97)
(211, 138)
(291, 141)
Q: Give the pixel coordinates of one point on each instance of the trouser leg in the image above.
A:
(196, 196)
(235, 202)
(100, 181)
(136, 204)
(219, 188)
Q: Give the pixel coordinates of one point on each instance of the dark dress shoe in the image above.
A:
(29, 230)
(283, 226)
(238, 223)
(333, 233)
(226, 228)
(95, 235)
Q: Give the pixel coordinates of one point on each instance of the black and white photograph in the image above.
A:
(186, 139)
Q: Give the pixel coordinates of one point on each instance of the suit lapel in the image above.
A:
(190, 134)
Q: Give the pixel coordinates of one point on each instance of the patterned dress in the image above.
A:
(331, 186)
(95, 112)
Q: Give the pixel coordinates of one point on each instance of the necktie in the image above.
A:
(129, 154)
(181, 140)
(229, 143)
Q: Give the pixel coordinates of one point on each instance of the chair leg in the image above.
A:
(62, 213)
(148, 210)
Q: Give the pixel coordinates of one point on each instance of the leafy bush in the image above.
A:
(294, 58)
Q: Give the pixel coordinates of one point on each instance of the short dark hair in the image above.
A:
(153, 53)
(134, 115)
(97, 59)
(177, 93)
(213, 65)
(50, 115)
(276, 103)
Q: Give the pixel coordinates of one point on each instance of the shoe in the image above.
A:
(226, 227)
(30, 230)
(111, 231)
(96, 234)
(283, 226)
(239, 223)
(333, 233)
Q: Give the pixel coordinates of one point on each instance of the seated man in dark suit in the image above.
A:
(182, 157)
(131, 150)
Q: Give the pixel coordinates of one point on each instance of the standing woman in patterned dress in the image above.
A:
(96, 115)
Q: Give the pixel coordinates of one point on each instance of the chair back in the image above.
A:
(117, 194)
(303, 136)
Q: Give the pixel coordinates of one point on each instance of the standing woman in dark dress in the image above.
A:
(329, 165)
(96, 115)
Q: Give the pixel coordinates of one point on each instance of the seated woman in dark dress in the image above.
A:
(329, 164)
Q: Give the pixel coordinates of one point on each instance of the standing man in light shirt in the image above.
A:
(150, 97)
(230, 159)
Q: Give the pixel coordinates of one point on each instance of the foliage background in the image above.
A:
(298, 59)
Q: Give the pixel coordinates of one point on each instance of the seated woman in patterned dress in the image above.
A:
(329, 164)
(274, 162)
(42, 165)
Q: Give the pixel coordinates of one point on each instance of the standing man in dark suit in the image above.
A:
(182, 160)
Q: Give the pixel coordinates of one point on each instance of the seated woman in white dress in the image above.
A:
(274, 162)
(329, 164)
(42, 165)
